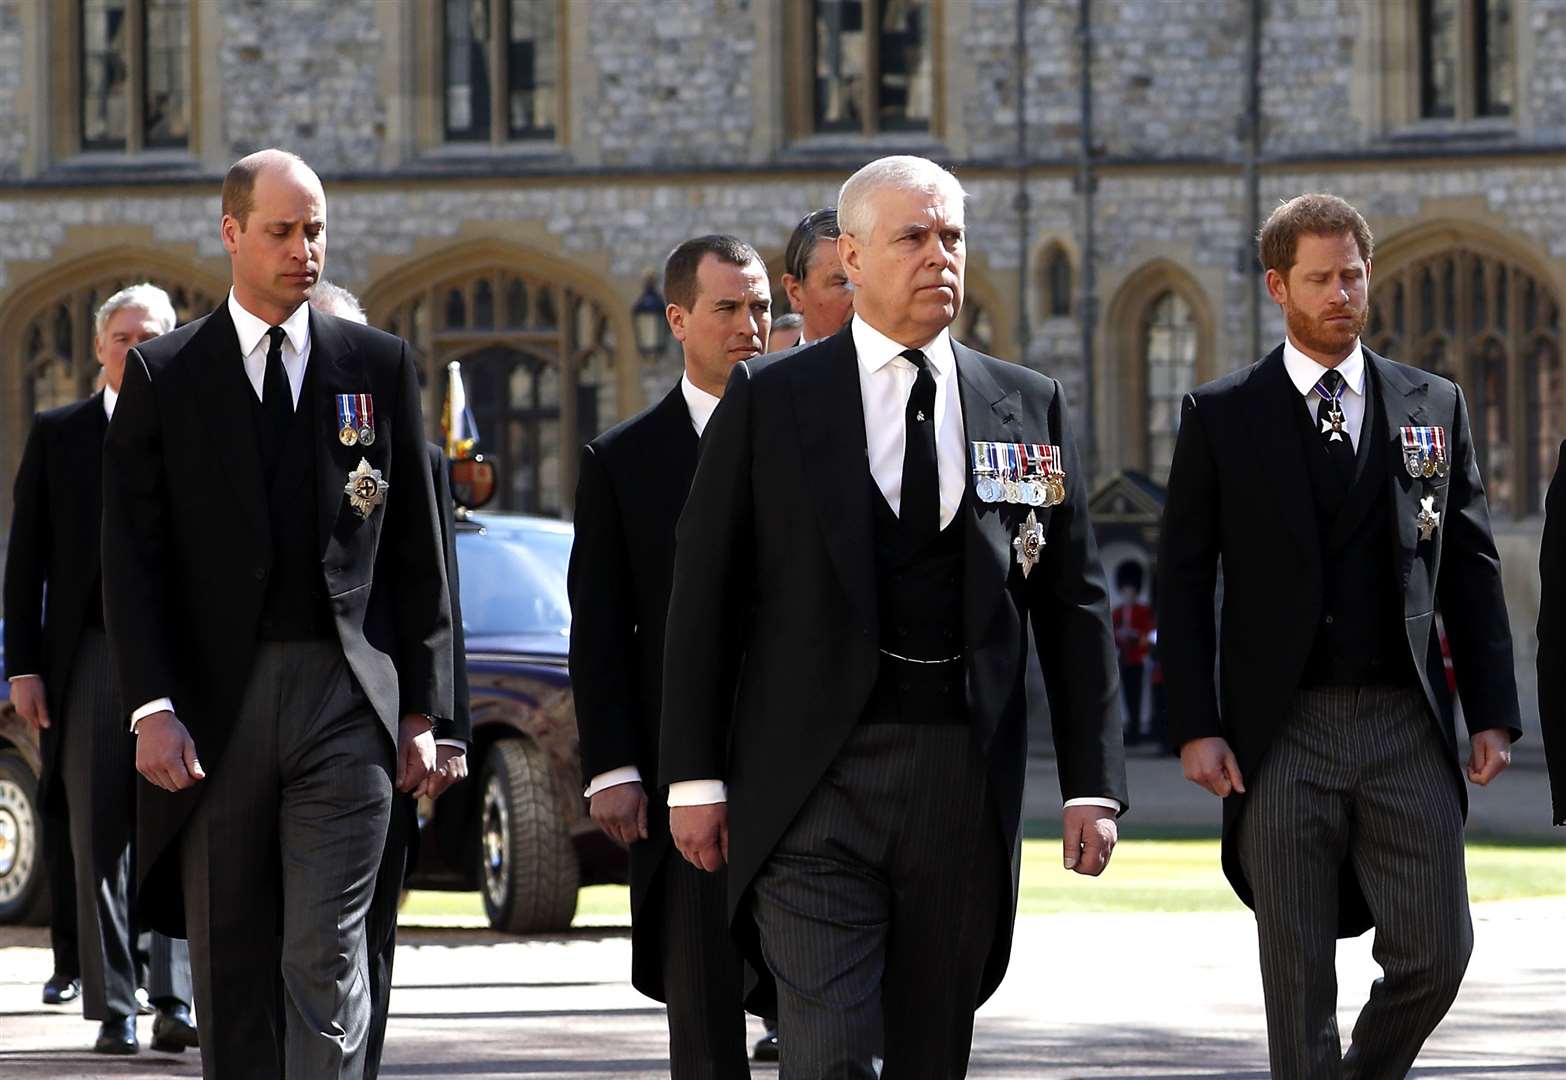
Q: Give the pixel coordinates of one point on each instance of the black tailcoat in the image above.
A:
(188, 550)
(775, 615)
(1239, 493)
(631, 487)
(51, 569)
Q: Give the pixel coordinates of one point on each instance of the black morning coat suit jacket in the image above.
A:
(189, 549)
(775, 615)
(632, 484)
(1239, 492)
(1552, 639)
(51, 570)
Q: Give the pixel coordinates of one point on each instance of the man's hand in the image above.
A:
(415, 751)
(1089, 834)
(165, 753)
(702, 834)
(32, 703)
(451, 765)
(1492, 752)
(1210, 763)
(621, 812)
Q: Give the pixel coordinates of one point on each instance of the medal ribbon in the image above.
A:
(344, 411)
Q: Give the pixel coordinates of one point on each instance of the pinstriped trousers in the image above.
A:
(1359, 776)
(878, 907)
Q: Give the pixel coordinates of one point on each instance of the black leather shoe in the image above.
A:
(174, 1031)
(766, 1046)
(117, 1037)
(60, 990)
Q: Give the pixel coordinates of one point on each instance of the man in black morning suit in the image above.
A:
(276, 602)
(630, 490)
(844, 723)
(61, 681)
(1329, 729)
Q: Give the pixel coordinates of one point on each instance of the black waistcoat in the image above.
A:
(919, 593)
(295, 607)
(1360, 639)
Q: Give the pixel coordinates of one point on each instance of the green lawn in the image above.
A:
(1145, 875)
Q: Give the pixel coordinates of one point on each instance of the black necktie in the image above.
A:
(277, 401)
(1330, 421)
(920, 512)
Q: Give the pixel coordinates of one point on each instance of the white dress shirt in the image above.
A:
(701, 405)
(251, 331)
(886, 380)
(1305, 373)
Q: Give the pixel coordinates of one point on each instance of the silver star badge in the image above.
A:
(365, 488)
(1029, 543)
(1429, 518)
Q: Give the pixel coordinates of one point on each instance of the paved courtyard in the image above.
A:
(1155, 997)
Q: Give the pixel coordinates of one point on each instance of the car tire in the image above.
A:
(528, 874)
(24, 892)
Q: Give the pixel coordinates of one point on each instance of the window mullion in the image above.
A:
(500, 74)
(872, 31)
(1467, 104)
(135, 75)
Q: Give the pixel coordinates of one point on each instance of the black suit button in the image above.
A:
(260, 573)
(1329, 620)
(266, 625)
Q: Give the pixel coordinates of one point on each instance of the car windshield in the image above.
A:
(514, 582)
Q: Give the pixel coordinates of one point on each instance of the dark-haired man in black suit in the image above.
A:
(630, 490)
(275, 595)
(873, 519)
(1552, 639)
(1341, 494)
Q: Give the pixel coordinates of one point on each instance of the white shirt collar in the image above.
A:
(700, 403)
(1305, 373)
(876, 350)
(251, 330)
(110, 396)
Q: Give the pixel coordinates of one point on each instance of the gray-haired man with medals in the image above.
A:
(843, 721)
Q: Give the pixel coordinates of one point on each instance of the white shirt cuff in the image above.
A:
(1107, 804)
(163, 704)
(698, 792)
(625, 774)
(13, 678)
(458, 743)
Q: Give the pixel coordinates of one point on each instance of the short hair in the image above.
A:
(788, 322)
(145, 295)
(900, 171)
(332, 299)
(679, 270)
(815, 226)
(239, 185)
(1315, 214)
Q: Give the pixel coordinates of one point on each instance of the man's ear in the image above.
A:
(848, 252)
(1277, 287)
(676, 316)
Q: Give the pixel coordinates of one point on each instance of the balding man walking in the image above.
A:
(275, 595)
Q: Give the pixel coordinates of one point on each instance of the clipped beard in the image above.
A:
(1318, 335)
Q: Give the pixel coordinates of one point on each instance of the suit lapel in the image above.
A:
(1402, 405)
(227, 402)
(989, 414)
(331, 371)
(832, 442)
(1283, 469)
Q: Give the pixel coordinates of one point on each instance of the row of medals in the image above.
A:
(1420, 462)
(363, 436)
(1039, 489)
